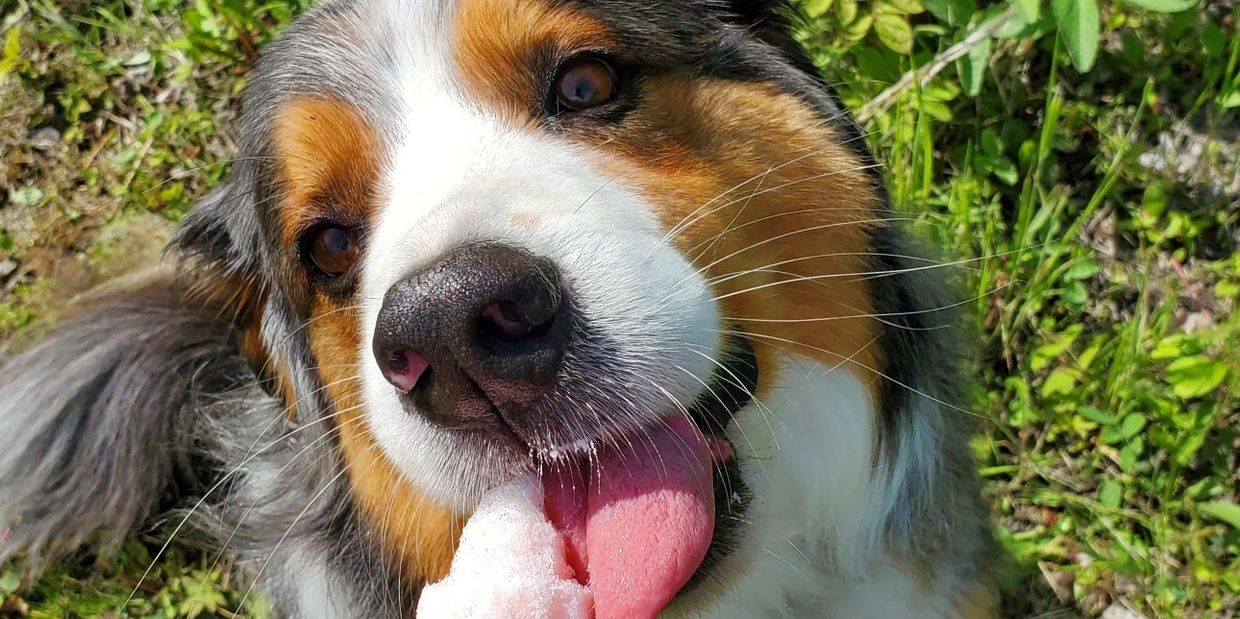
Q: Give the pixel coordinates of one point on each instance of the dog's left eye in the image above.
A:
(332, 250)
(585, 82)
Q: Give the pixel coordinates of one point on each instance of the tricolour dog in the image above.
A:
(472, 240)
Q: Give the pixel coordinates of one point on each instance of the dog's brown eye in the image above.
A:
(332, 250)
(584, 83)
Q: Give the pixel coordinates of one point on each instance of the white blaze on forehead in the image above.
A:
(458, 172)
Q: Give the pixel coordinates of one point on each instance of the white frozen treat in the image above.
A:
(510, 563)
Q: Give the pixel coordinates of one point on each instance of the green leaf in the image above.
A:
(1230, 99)
(1130, 453)
(1213, 41)
(858, 28)
(972, 68)
(1060, 382)
(1044, 354)
(1163, 6)
(941, 90)
(1082, 270)
(199, 594)
(1196, 376)
(1131, 48)
(817, 8)
(951, 12)
(1029, 10)
(12, 53)
(905, 7)
(1222, 510)
(1095, 415)
(1075, 294)
(9, 581)
(878, 63)
(1154, 201)
(1109, 435)
(846, 11)
(1079, 26)
(894, 32)
(1014, 27)
(1005, 171)
(1176, 346)
(1188, 442)
(1131, 425)
(1128, 427)
(1111, 494)
(992, 144)
(937, 110)
(1087, 356)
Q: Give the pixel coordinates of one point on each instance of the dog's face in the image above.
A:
(497, 236)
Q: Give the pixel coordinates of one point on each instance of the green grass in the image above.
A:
(1098, 212)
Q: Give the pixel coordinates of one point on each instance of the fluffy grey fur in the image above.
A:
(139, 404)
(99, 418)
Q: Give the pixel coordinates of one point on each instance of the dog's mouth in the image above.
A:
(634, 522)
(643, 521)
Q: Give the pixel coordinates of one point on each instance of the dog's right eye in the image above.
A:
(585, 82)
(332, 249)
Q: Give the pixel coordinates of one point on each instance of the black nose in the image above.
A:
(474, 339)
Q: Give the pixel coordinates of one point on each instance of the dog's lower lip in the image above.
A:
(721, 449)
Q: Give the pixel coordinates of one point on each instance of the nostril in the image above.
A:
(404, 369)
(504, 319)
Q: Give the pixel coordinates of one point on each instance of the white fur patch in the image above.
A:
(813, 543)
(320, 594)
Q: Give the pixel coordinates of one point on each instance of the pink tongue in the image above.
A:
(638, 524)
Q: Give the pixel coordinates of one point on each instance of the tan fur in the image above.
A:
(730, 166)
(501, 47)
(329, 163)
(418, 534)
(329, 160)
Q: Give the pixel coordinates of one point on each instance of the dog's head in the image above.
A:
(494, 237)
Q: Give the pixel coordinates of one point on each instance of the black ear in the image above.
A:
(773, 22)
(754, 11)
(204, 233)
(222, 230)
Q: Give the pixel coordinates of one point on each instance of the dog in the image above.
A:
(470, 240)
